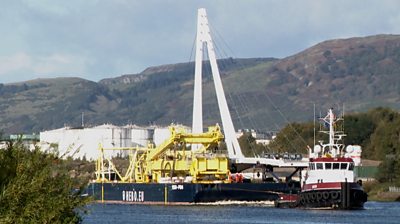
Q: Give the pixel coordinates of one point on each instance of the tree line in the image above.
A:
(377, 131)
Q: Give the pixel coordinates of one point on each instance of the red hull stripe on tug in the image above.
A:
(349, 160)
(288, 197)
(325, 186)
(322, 186)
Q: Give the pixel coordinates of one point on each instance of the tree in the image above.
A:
(249, 145)
(35, 188)
(294, 138)
(358, 128)
(385, 145)
(387, 170)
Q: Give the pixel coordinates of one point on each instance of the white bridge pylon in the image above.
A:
(204, 42)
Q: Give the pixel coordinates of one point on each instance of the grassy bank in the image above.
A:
(380, 192)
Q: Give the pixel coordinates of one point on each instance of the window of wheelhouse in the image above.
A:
(336, 166)
(319, 166)
(343, 166)
(328, 166)
(351, 166)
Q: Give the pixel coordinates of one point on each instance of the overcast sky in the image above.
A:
(101, 39)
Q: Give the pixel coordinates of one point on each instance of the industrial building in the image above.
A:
(84, 142)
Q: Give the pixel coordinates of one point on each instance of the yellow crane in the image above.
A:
(171, 161)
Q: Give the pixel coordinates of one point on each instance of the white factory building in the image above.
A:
(79, 142)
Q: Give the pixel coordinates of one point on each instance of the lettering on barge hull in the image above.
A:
(133, 196)
(177, 187)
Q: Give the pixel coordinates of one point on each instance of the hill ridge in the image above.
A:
(361, 72)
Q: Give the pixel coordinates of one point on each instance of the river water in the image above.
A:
(374, 212)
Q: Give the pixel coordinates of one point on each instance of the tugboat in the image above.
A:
(329, 181)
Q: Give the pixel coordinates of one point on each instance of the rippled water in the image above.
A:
(374, 212)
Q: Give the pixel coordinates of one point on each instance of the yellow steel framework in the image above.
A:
(172, 161)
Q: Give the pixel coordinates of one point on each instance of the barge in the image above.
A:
(174, 174)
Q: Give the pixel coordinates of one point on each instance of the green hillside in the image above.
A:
(264, 94)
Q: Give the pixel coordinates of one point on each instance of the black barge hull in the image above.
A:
(182, 193)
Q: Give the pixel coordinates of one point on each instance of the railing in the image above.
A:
(366, 172)
(394, 189)
(284, 156)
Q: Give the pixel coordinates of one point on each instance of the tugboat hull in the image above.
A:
(346, 196)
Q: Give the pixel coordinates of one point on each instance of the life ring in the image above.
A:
(325, 195)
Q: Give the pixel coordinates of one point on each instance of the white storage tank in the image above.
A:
(79, 142)
(141, 136)
(163, 133)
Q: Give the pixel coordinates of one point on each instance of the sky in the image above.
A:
(95, 39)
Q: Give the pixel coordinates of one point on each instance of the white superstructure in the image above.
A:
(332, 162)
